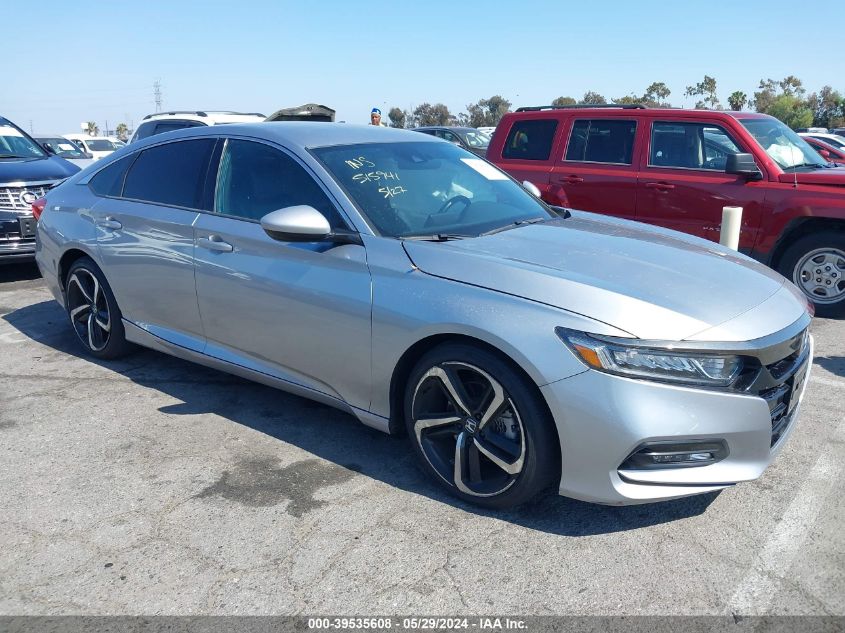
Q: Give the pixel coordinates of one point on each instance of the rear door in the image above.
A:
(683, 184)
(145, 235)
(527, 153)
(597, 170)
(299, 311)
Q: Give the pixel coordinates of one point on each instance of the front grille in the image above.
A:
(10, 197)
(780, 384)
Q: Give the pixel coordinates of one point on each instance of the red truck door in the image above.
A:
(597, 168)
(683, 184)
(526, 153)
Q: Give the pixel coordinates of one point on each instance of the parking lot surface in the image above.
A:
(155, 486)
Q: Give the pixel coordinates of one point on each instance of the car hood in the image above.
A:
(652, 283)
(35, 170)
(828, 176)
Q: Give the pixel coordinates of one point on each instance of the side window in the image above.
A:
(109, 180)
(451, 137)
(255, 179)
(169, 126)
(690, 146)
(530, 140)
(602, 141)
(144, 130)
(171, 174)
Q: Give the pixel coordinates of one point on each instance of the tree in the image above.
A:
(593, 98)
(92, 128)
(766, 93)
(706, 89)
(828, 107)
(437, 114)
(562, 101)
(397, 117)
(122, 131)
(655, 95)
(486, 112)
(737, 100)
(791, 86)
(792, 111)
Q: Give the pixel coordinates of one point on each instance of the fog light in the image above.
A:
(675, 455)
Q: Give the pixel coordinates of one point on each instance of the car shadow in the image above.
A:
(333, 435)
(834, 364)
(19, 272)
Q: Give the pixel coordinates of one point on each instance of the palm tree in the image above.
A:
(737, 100)
(93, 130)
(122, 131)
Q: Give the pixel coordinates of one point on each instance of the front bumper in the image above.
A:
(601, 419)
(17, 250)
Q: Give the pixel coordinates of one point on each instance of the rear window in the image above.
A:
(602, 141)
(109, 181)
(171, 174)
(530, 140)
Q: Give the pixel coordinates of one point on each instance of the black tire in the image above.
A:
(823, 252)
(93, 311)
(520, 436)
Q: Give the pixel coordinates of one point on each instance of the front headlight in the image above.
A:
(636, 360)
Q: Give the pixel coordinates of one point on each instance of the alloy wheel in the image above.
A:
(468, 429)
(88, 309)
(821, 275)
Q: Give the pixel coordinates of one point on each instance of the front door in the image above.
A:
(683, 185)
(296, 311)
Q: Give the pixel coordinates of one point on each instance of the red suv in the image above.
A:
(678, 168)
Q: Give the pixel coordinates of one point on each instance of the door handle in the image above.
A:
(109, 223)
(660, 186)
(569, 180)
(215, 243)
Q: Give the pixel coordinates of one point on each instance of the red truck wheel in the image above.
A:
(816, 264)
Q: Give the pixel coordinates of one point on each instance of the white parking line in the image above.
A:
(759, 587)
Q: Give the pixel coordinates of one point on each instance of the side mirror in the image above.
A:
(303, 223)
(743, 165)
(532, 188)
(48, 149)
(824, 154)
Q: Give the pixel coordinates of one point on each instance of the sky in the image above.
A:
(79, 61)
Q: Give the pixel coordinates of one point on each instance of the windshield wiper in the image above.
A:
(815, 165)
(513, 225)
(435, 237)
(13, 156)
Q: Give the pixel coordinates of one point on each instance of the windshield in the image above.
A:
(419, 189)
(100, 145)
(784, 146)
(477, 139)
(837, 141)
(62, 147)
(13, 144)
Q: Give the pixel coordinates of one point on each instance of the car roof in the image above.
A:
(629, 111)
(300, 133)
(206, 116)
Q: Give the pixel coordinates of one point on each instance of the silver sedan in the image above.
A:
(417, 287)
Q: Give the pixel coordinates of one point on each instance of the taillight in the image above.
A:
(38, 207)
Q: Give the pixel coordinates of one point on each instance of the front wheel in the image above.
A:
(816, 264)
(479, 428)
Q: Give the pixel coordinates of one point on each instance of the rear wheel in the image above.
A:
(93, 311)
(816, 264)
(479, 428)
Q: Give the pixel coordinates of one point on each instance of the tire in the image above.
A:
(93, 312)
(508, 446)
(816, 264)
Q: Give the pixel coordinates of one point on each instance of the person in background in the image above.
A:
(375, 117)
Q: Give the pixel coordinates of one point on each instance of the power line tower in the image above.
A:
(157, 94)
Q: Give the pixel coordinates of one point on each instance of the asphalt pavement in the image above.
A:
(152, 486)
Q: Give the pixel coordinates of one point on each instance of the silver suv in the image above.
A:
(162, 122)
(416, 286)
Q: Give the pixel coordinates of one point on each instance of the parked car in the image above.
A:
(839, 131)
(679, 168)
(829, 152)
(161, 122)
(419, 288)
(831, 139)
(467, 137)
(60, 146)
(487, 130)
(27, 172)
(98, 146)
